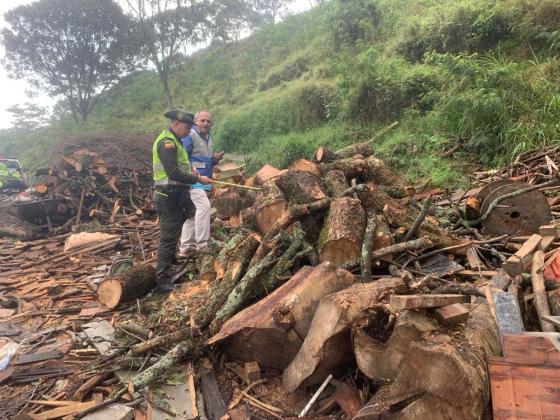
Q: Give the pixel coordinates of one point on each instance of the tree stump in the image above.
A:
(340, 240)
(306, 166)
(125, 287)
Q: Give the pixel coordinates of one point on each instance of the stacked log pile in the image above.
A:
(338, 280)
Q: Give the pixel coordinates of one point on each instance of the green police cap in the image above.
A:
(183, 116)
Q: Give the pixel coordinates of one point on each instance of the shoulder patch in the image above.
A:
(169, 144)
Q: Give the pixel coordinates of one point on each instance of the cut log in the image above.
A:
(248, 218)
(306, 166)
(184, 334)
(367, 247)
(383, 236)
(205, 264)
(335, 182)
(371, 169)
(378, 358)
(341, 237)
(324, 155)
(236, 267)
(301, 187)
(270, 331)
(231, 203)
(437, 377)
(327, 346)
(270, 206)
(221, 261)
(266, 173)
(125, 287)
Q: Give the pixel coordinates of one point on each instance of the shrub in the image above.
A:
(289, 70)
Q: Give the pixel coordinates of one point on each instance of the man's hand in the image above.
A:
(219, 156)
(204, 179)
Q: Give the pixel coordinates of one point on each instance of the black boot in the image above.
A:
(164, 285)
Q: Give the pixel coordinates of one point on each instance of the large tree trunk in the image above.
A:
(341, 237)
(125, 287)
(327, 346)
(270, 206)
(430, 374)
(231, 203)
(270, 332)
(301, 187)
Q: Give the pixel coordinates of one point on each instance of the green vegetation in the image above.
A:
(484, 74)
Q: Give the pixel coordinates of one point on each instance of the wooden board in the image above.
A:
(426, 301)
(451, 314)
(38, 357)
(531, 350)
(508, 315)
(522, 391)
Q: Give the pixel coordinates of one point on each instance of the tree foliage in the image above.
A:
(165, 27)
(29, 116)
(270, 10)
(74, 48)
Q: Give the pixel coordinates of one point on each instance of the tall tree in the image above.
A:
(165, 27)
(230, 19)
(270, 9)
(74, 48)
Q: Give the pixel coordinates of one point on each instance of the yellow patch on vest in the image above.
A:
(169, 144)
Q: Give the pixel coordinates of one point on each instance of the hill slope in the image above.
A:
(479, 76)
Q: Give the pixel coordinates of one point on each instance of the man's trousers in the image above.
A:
(171, 219)
(196, 231)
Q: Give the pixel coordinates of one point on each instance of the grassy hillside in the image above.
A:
(483, 74)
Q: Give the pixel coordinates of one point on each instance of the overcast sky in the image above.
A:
(13, 91)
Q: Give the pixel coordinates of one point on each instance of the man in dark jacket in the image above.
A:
(173, 178)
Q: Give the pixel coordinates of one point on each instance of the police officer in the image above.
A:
(172, 180)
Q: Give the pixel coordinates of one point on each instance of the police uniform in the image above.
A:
(172, 180)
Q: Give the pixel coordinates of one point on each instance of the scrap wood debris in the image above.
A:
(335, 291)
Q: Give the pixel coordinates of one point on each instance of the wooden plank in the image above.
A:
(53, 403)
(474, 260)
(192, 389)
(531, 350)
(476, 273)
(521, 391)
(541, 299)
(508, 315)
(546, 242)
(6, 374)
(550, 230)
(426, 301)
(38, 357)
(522, 259)
(554, 320)
(212, 397)
(56, 413)
(451, 314)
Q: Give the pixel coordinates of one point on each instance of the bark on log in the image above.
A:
(301, 187)
(433, 376)
(335, 182)
(221, 261)
(270, 331)
(248, 218)
(242, 291)
(323, 155)
(270, 205)
(367, 247)
(220, 291)
(327, 346)
(371, 169)
(205, 263)
(402, 217)
(307, 166)
(231, 204)
(340, 240)
(294, 213)
(125, 287)
(184, 334)
(100, 215)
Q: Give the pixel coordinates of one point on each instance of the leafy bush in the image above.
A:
(290, 70)
(350, 21)
(469, 29)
